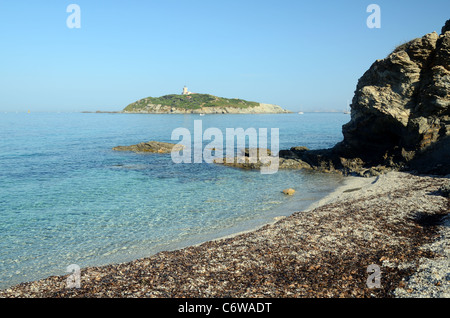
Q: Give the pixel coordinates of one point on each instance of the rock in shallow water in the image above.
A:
(152, 147)
(289, 191)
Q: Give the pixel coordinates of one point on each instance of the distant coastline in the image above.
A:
(287, 112)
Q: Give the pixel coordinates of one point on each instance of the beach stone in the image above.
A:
(293, 164)
(289, 191)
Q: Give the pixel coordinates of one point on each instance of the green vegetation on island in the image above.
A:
(192, 101)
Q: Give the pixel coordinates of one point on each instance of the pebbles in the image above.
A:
(321, 252)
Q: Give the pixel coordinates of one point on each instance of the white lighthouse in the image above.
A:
(186, 91)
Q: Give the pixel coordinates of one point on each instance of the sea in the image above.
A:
(67, 198)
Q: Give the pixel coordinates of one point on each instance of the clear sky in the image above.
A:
(301, 55)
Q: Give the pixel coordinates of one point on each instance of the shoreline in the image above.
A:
(270, 216)
(349, 182)
(322, 251)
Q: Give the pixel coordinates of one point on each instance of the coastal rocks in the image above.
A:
(258, 109)
(248, 158)
(151, 147)
(293, 153)
(293, 164)
(400, 115)
(261, 157)
(400, 111)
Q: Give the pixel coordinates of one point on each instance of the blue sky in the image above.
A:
(301, 55)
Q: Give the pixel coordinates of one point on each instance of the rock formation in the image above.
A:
(400, 114)
(152, 147)
(400, 111)
(262, 158)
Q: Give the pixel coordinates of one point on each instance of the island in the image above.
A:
(193, 103)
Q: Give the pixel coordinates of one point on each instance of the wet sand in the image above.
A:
(396, 221)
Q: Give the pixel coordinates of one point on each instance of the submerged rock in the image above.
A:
(256, 158)
(289, 191)
(152, 147)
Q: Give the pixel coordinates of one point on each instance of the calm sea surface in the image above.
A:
(67, 198)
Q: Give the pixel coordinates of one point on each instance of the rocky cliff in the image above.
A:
(400, 114)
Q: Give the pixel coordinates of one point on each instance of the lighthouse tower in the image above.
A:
(185, 91)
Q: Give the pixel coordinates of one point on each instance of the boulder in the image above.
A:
(152, 147)
(256, 158)
(300, 149)
(400, 114)
(289, 191)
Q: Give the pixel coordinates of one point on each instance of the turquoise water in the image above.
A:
(67, 198)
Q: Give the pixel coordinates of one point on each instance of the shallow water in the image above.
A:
(67, 198)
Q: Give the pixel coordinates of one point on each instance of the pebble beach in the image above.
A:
(397, 221)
